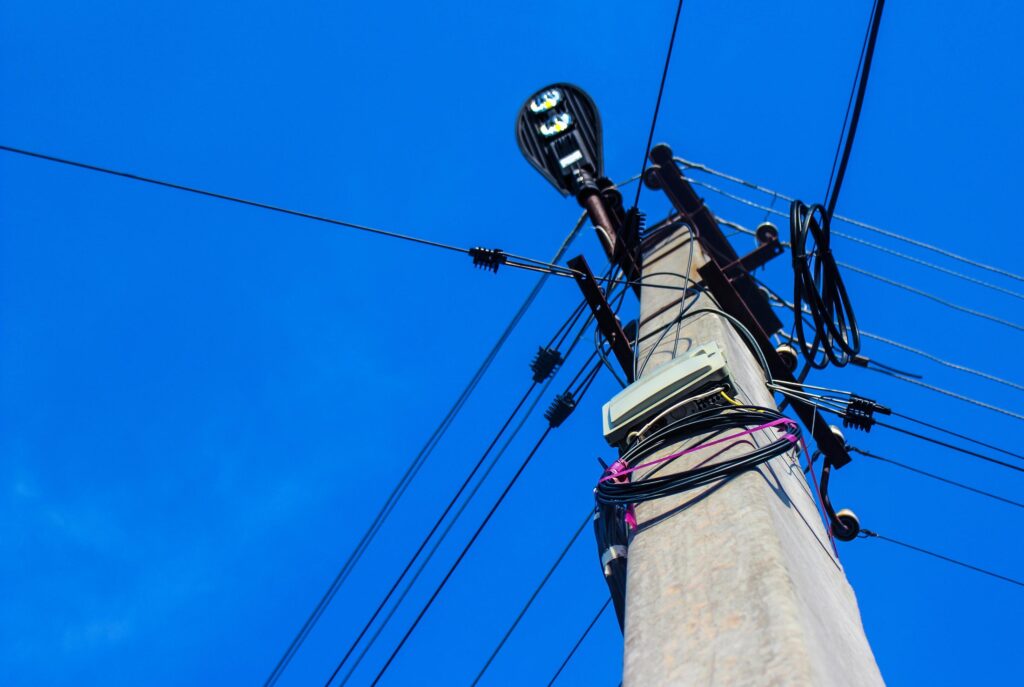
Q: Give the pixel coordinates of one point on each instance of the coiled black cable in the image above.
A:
(703, 425)
(818, 283)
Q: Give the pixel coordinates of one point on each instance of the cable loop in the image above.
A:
(818, 283)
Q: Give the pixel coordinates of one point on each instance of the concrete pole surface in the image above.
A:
(735, 583)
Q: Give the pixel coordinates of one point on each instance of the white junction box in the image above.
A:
(673, 382)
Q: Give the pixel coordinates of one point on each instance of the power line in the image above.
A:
(533, 597)
(441, 539)
(869, 534)
(933, 476)
(949, 304)
(444, 534)
(958, 435)
(579, 642)
(410, 473)
(502, 257)
(433, 530)
(575, 392)
(462, 554)
(657, 104)
(951, 394)
(233, 199)
(689, 164)
(867, 52)
(953, 447)
(946, 363)
(848, 237)
(780, 302)
(933, 297)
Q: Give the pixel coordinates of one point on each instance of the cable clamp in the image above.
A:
(545, 363)
(610, 554)
(488, 258)
(560, 409)
(860, 413)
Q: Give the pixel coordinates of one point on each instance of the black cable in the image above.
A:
(462, 555)
(867, 52)
(442, 537)
(959, 436)
(818, 283)
(657, 103)
(452, 521)
(701, 424)
(869, 534)
(954, 447)
(933, 476)
(433, 530)
(510, 259)
(529, 602)
(950, 394)
(233, 199)
(576, 395)
(410, 473)
(579, 642)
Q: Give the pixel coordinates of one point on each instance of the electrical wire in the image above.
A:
(613, 490)
(689, 164)
(952, 394)
(579, 642)
(461, 556)
(818, 282)
(657, 103)
(848, 237)
(861, 87)
(444, 534)
(232, 199)
(869, 534)
(958, 435)
(945, 363)
(953, 447)
(683, 308)
(892, 372)
(437, 524)
(510, 259)
(577, 393)
(411, 471)
(839, 407)
(935, 477)
(932, 297)
(893, 282)
(441, 539)
(533, 597)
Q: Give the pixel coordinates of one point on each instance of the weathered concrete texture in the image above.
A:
(735, 584)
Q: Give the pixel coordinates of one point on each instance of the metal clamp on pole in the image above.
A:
(607, 321)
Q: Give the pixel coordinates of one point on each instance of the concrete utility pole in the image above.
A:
(736, 583)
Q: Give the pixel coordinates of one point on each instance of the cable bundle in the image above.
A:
(613, 490)
(817, 283)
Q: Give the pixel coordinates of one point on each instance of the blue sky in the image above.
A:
(202, 405)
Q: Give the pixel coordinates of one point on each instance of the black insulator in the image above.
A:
(766, 233)
(560, 409)
(488, 258)
(545, 363)
(633, 228)
(860, 413)
(846, 525)
(858, 418)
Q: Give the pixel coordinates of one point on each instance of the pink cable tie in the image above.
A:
(619, 473)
